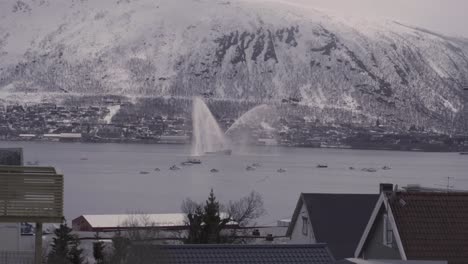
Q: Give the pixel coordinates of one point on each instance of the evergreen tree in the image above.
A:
(75, 252)
(65, 247)
(120, 247)
(213, 224)
(98, 250)
(205, 225)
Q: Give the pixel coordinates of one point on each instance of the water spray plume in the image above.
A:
(207, 135)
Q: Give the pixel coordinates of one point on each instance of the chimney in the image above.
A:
(386, 187)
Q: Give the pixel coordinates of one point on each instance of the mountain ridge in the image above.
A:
(234, 50)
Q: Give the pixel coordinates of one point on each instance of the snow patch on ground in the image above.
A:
(112, 111)
(447, 104)
(350, 103)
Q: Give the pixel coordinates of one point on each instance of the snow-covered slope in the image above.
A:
(237, 49)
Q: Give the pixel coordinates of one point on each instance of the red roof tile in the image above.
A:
(432, 226)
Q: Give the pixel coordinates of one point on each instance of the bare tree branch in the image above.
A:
(189, 206)
(246, 209)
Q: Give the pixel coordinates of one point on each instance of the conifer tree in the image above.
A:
(65, 247)
(98, 250)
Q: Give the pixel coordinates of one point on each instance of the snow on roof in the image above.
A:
(139, 220)
(121, 220)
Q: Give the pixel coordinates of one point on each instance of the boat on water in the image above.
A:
(463, 153)
(256, 165)
(214, 170)
(174, 167)
(351, 168)
(144, 172)
(250, 168)
(191, 161)
(369, 170)
(322, 166)
(386, 168)
(83, 158)
(157, 169)
(281, 170)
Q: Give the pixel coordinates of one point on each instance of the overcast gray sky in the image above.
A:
(445, 16)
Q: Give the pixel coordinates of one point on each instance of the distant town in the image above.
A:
(121, 122)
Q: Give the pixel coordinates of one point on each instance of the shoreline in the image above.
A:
(404, 148)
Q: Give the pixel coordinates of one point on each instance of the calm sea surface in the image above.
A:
(109, 180)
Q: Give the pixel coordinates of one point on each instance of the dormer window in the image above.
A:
(305, 226)
(387, 231)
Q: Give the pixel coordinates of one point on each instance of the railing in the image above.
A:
(30, 194)
(16, 257)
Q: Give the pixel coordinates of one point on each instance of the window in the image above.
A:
(305, 225)
(387, 231)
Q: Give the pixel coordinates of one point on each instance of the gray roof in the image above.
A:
(389, 261)
(337, 219)
(231, 254)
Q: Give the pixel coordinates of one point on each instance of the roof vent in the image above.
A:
(413, 188)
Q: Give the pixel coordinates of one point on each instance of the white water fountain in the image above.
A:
(262, 115)
(260, 118)
(207, 135)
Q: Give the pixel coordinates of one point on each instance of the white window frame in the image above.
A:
(387, 232)
(305, 226)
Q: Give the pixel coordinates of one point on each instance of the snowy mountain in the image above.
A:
(255, 50)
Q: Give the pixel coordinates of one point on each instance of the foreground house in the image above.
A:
(336, 219)
(416, 225)
(380, 261)
(233, 254)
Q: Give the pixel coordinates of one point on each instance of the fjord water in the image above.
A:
(109, 181)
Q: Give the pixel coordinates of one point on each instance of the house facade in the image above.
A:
(417, 225)
(382, 243)
(335, 219)
(302, 231)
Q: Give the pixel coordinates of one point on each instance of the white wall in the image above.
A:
(9, 236)
(297, 236)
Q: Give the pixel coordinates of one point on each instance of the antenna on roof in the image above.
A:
(448, 186)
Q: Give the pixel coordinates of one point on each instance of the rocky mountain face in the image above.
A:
(341, 70)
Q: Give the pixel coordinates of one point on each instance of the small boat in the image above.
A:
(191, 162)
(369, 170)
(214, 170)
(463, 153)
(250, 168)
(144, 172)
(322, 166)
(83, 158)
(256, 165)
(351, 168)
(281, 170)
(174, 167)
(386, 168)
(157, 169)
